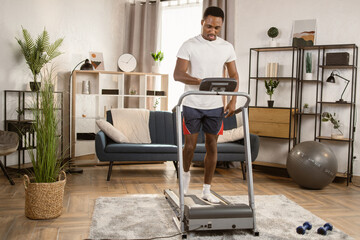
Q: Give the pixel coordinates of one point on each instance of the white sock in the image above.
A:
(206, 194)
(186, 181)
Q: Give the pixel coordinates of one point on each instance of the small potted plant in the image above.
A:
(336, 132)
(270, 86)
(273, 32)
(306, 108)
(308, 66)
(158, 57)
(37, 53)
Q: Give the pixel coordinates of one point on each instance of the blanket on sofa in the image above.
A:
(133, 123)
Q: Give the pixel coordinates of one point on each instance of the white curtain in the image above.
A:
(142, 31)
(228, 6)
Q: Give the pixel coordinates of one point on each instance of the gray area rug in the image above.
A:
(150, 216)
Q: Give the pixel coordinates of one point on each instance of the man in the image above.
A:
(201, 57)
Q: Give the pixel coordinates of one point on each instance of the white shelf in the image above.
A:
(95, 104)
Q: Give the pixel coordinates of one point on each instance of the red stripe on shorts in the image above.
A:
(221, 131)
(185, 129)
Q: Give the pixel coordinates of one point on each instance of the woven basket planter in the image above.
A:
(44, 200)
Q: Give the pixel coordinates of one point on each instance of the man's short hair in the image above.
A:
(214, 11)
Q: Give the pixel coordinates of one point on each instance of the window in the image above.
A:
(179, 23)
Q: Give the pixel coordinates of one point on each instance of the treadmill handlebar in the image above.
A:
(239, 94)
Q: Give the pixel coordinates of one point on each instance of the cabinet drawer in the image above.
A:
(271, 122)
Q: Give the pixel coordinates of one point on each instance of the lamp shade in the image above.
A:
(87, 65)
(331, 78)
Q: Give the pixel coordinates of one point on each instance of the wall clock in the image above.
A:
(127, 62)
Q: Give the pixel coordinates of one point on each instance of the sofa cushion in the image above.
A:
(162, 128)
(140, 148)
(232, 135)
(112, 132)
(222, 148)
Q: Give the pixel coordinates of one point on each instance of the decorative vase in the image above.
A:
(337, 133)
(273, 42)
(86, 87)
(308, 76)
(156, 67)
(270, 103)
(44, 200)
(35, 86)
(306, 110)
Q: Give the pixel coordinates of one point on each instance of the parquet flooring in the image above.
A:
(336, 203)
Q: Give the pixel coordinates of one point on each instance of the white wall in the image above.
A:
(86, 25)
(338, 22)
(90, 25)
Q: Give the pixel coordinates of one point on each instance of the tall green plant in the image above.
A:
(46, 157)
(270, 87)
(308, 63)
(38, 52)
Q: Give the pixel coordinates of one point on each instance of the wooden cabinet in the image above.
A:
(95, 92)
(272, 122)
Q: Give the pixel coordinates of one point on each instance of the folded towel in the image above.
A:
(133, 123)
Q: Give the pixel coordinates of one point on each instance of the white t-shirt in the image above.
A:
(206, 59)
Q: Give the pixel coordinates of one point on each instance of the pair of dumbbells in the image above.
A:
(307, 226)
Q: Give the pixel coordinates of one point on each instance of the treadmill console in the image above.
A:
(218, 84)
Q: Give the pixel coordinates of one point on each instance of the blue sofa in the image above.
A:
(163, 145)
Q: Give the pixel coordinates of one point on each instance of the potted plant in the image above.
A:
(336, 132)
(308, 66)
(273, 32)
(158, 57)
(306, 108)
(270, 86)
(44, 189)
(37, 53)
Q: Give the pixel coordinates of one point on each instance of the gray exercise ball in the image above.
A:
(312, 165)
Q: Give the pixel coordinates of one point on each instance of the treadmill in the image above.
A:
(195, 214)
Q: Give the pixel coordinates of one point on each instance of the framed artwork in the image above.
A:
(97, 60)
(304, 32)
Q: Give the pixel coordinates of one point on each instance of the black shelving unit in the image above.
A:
(291, 76)
(299, 83)
(319, 86)
(22, 123)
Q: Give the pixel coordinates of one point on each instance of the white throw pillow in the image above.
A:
(112, 132)
(231, 135)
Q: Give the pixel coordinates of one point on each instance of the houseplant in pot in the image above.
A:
(336, 131)
(157, 57)
(37, 53)
(44, 189)
(306, 108)
(270, 86)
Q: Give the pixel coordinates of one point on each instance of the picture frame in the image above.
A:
(304, 33)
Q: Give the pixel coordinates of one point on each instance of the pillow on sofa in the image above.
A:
(112, 132)
(231, 135)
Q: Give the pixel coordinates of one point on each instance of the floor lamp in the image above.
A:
(86, 66)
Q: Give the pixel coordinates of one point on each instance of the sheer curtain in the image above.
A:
(142, 31)
(181, 20)
(228, 6)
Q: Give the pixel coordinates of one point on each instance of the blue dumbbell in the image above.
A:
(323, 230)
(302, 229)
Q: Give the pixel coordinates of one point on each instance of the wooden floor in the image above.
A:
(337, 203)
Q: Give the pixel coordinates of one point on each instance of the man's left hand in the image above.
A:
(230, 109)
